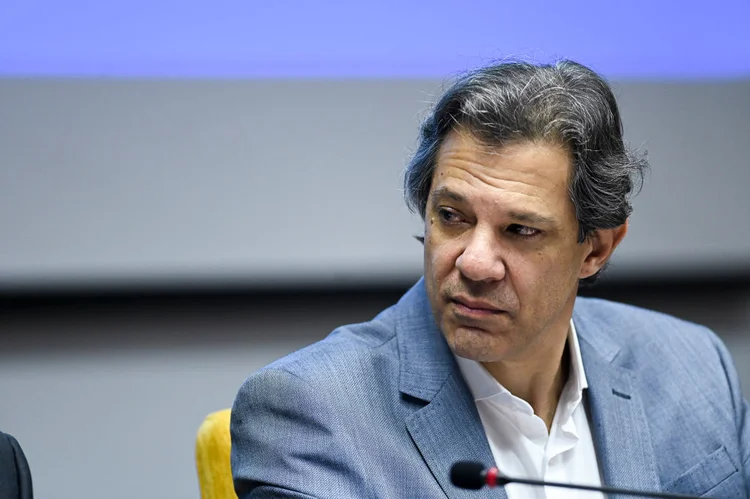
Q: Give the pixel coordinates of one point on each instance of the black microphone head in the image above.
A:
(468, 475)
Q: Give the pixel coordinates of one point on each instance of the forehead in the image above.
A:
(529, 174)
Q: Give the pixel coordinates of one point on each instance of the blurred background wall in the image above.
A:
(188, 192)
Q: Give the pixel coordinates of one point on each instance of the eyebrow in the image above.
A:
(519, 216)
(531, 218)
(444, 192)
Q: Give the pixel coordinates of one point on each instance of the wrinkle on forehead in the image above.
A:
(537, 170)
(523, 162)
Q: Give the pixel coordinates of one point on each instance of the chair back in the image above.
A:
(213, 447)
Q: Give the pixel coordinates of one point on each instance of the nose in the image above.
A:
(481, 260)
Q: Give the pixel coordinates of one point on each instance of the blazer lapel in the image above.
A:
(448, 428)
(618, 420)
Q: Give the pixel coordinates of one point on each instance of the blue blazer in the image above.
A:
(380, 409)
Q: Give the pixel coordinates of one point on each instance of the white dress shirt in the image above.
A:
(519, 440)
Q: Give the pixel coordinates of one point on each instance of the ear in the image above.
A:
(602, 243)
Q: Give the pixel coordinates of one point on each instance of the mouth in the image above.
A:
(474, 308)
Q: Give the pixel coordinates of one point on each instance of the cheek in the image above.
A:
(431, 247)
(527, 273)
(538, 273)
(440, 257)
(548, 280)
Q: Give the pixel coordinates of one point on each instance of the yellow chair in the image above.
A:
(212, 448)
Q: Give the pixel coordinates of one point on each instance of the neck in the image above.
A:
(538, 383)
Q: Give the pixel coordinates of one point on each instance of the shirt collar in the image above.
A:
(577, 372)
(483, 385)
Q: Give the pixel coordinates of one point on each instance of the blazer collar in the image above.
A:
(425, 358)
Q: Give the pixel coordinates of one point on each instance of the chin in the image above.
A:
(476, 344)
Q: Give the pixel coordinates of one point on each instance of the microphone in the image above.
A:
(472, 475)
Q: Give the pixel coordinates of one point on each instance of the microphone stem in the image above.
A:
(606, 490)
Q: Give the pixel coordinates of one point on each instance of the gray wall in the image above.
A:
(206, 184)
(106, 395)
(266, 183)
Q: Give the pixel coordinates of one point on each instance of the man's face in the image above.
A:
(501, 256)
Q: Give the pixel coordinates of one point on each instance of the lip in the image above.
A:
(474, 307)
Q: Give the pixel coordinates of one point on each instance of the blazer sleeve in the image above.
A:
(289, 440)
(740, 406)
(15, 476)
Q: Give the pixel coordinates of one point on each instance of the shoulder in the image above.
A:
(298, 422)
(628, 325)
(9, 446)
(15, 477)
(353, 360)
(655, 342)
(605, 312)
(359, 347)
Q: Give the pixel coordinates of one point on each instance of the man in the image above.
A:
(15, 477)
(523, 181)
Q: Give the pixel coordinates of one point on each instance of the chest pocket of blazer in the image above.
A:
(714, 476)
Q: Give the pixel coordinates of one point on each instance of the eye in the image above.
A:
(449, 215)
(524, 231)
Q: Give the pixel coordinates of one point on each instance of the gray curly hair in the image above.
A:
(563, 103)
